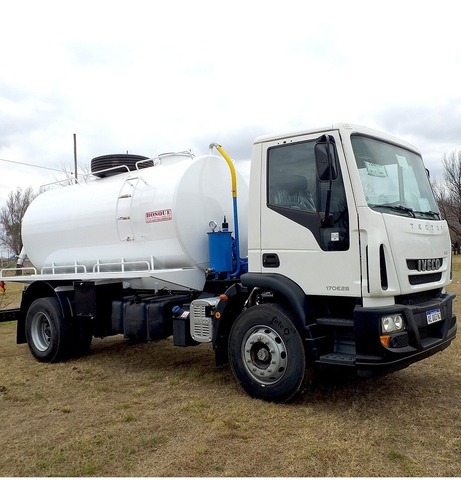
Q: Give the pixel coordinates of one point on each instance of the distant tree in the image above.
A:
(448, 194)
(11, 216)
(69, 176)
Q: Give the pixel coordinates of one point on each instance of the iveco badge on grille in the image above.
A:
(429, 264)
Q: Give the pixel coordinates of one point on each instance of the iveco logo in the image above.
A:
(429, 264)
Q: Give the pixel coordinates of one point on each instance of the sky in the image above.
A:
(150, 77)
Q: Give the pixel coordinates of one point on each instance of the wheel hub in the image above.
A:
(264, 354)
(41, 332)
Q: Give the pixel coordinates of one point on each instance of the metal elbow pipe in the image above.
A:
(231, 167)
(234, 199)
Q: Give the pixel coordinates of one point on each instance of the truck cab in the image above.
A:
(344, 227)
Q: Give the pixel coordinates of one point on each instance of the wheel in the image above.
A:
(47, 332)
(266, 353)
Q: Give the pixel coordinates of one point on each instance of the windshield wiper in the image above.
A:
(430, 212)
(398, 208)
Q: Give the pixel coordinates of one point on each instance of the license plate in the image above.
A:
(433, 316)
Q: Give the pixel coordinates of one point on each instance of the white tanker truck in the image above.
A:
(335, 256)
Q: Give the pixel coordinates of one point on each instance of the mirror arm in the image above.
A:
(327, 220)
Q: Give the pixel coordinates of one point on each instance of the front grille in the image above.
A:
(412, 264)
(422, 279)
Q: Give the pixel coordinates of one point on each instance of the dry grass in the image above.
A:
(157, 410)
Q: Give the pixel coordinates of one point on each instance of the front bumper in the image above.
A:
(418, 341)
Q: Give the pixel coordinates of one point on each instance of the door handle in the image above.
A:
(271, 260)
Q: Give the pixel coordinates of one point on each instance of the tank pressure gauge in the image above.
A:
(213, 225)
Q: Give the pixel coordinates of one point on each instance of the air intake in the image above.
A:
(383, 268)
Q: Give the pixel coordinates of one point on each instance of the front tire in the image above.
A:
(47, 332)
(267, 354)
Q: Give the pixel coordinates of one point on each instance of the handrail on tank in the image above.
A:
(61, 183)
(234, 201)
(158, 159)
(107, 170)
(5, 270)
(143, 161)
(56, 269)
(122, 263)
(186, 152)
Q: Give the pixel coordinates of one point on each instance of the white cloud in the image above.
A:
(150, 77)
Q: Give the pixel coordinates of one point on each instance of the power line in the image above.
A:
(31, 165)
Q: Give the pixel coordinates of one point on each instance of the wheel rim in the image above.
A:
(264, 355)
(41, 331)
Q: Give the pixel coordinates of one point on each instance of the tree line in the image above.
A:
(448, 195)
(11, 215)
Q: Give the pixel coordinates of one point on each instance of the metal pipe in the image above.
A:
(234, 200)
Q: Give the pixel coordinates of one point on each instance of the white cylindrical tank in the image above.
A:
(158, 215)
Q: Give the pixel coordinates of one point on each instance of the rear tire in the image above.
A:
(267, 354)
(47, 332)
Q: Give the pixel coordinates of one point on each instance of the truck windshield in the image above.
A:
(394, 179)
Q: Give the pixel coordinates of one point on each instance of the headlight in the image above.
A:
(394, 323)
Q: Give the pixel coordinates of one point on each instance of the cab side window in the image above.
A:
(295, 191)
(291, 177)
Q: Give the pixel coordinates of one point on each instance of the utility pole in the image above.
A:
(75, 159)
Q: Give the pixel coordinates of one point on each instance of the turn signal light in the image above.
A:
(385, 340)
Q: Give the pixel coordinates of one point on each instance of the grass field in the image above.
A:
(155, 410)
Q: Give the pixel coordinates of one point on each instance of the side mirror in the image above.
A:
(326, 159)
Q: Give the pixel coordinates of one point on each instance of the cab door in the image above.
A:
(305, 237)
